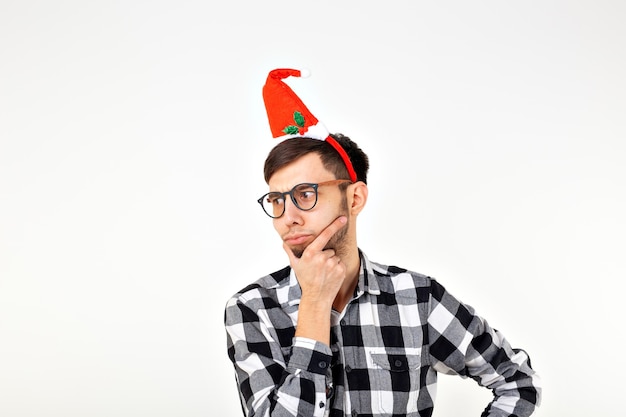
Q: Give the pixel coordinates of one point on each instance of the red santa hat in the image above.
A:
(290, 118)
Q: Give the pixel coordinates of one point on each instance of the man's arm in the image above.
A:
(285, 384)
(464, 344)
(272, 382)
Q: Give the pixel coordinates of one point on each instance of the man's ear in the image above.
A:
(358, 192)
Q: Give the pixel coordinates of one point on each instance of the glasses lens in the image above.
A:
(273, 204)
(305, 196)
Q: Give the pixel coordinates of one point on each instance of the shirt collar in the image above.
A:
(368, 280)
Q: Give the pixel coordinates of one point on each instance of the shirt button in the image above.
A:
(322, 365)
(343, 322)
(398, 363)
(348, 369)
(354, 413)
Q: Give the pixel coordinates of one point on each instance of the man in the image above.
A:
(334, 333)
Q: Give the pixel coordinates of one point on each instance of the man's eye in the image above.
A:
(276, 200)
(307, 195)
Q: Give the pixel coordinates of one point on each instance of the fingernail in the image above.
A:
(343, 219)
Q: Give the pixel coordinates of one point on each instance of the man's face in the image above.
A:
(298, 228)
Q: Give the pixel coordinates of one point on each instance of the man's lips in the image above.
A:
(296, 239)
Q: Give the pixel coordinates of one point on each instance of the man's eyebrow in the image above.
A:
(292, 187)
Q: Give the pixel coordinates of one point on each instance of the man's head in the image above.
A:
(304, 160)
(291, 149)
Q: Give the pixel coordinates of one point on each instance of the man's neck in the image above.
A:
(353, 270)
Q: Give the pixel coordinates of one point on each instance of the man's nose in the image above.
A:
(292, 213)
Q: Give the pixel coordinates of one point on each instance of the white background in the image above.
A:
(132, 138)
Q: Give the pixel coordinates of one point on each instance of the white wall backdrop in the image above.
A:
(132, 137)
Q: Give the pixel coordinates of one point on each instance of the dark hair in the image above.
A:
(289, 150)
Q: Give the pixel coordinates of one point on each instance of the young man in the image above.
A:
(335, 334)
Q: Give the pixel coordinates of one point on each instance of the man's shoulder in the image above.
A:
(384, 270)
(265, 286)
(394, 279)
(267, 299)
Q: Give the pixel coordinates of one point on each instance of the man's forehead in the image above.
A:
(308, 168)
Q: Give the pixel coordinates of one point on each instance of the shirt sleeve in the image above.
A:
(273, 380)
(463, 343)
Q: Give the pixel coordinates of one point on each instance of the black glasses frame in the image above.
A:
(289, 193)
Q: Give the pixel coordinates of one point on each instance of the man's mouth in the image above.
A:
(294, 240)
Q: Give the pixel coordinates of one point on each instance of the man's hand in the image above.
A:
(320, 271)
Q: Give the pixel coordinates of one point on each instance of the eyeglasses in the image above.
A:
(303, 196)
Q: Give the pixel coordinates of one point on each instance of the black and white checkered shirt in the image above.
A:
(387, 346)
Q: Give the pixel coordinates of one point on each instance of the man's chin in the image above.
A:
(298, 251)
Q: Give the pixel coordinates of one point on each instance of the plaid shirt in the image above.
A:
(387, 346)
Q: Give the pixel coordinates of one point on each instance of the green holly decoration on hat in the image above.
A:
(294, 130)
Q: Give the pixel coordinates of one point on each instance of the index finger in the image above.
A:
(322, 239)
